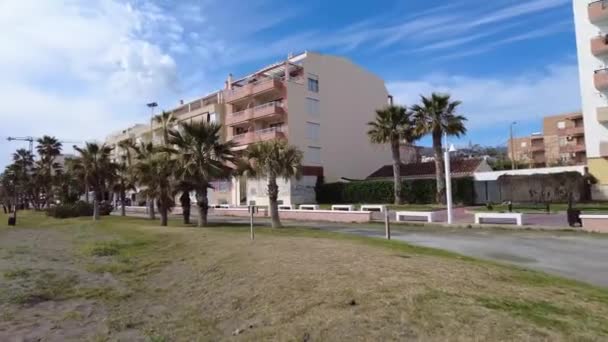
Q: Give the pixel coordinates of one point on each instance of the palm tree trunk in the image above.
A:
(185, 202)
(95, 206)
(203, 206)
(396, 170)
(439, 167)
(273, 196)
(163, 214)
(123, 208)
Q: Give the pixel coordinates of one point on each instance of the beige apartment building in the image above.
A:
(561, 143)
(319, 103)
(591, 23)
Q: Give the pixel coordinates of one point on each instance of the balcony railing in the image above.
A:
(600, 79)
(573, 148)
(254, 88)
(259, 135)
(602, 114)
(537, 148)
(599, 45)
(598, 11)
(572, 131)
(270, 109)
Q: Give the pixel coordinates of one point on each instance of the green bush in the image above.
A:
(420, 191)
(78, 209)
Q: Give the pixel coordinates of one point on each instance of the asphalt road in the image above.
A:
(578, 256)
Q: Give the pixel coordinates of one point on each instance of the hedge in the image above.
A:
(78, 209)
(421, 191)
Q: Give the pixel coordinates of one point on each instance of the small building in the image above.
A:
(460, 168)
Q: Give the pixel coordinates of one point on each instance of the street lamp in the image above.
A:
(511, 142)
(152, 105)
(448, 177)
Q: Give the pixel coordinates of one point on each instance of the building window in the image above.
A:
(563, 141)
(313, 131)
(561, 124)
(212, 118)
(524, 144)
(313, 155)
(313, 108)
(313, 85)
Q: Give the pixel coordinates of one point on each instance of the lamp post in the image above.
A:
(448, 177)
(511, 142)
(152, 105)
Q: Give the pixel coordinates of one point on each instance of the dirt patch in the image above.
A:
(125, 280)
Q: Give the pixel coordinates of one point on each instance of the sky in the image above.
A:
(82, 69)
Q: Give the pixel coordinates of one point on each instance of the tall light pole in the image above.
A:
(448, 177)
(511, 142)
(152, 105)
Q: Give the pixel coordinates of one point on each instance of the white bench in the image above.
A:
(371, 207)
(285, 207)
(518, 217)
(309, 207)
(430, 215)
(224, 206)
(345, 207)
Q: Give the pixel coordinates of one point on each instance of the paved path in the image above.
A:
(578, 256)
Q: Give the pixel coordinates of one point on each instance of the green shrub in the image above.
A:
(420, 191)
(78, 209)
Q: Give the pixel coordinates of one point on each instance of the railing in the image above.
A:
(600, 79)
(273, 104)
(597, 10)
(259, 135)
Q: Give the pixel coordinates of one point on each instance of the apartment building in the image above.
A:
(561, 143)
(591, 22)
(209, 108)
(318, 103)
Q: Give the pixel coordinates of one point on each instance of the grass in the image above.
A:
(596, 207)
(185, 283)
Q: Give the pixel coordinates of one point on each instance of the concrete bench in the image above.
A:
(518, 217)
(285, 207)
(371, 207)
(224, 206)
(345, 207)
(429, 215)
(309, 207)
(595, 223)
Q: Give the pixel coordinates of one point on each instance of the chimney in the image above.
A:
(229, 81)
(181, 102)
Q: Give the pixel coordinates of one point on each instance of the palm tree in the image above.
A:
(146, 151)
(165, 119)
(23, 165)
(48, 149)
(273, 159)
(94, 161)
(156, 174)
(392, 125)
(124, 178)
(202, 157)
(436, 115)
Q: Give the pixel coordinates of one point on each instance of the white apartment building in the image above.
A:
(318, 103)
(591, 21)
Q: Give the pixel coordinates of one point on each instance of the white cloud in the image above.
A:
(489, 102)
(79, 69)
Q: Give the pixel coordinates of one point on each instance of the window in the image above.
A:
(312, 106)
(313, 85)
(524, 144)
(313, 131)
(313, 155)
(212, 118)
(563, 141)
(561, 124)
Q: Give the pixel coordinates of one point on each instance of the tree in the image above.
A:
(393, 125)
(156, 174)
(272, 159)
(94, 161)
(124, 180)
(202, 157)
(48, 149)
(165, 119)
(146, 151)
(22, 168)
(436, 115)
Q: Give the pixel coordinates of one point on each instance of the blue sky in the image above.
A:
(80, 69)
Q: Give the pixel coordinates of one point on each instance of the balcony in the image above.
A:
(537, 148)
(572, 131)
(600, 79)
(260, 135)
(252, 89)
(573, 148)
(602, 114)
(268, 110)
(598, 11)
(237, 118)
(599, 45)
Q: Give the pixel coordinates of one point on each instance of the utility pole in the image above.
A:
(152, 105)
(511, 142)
